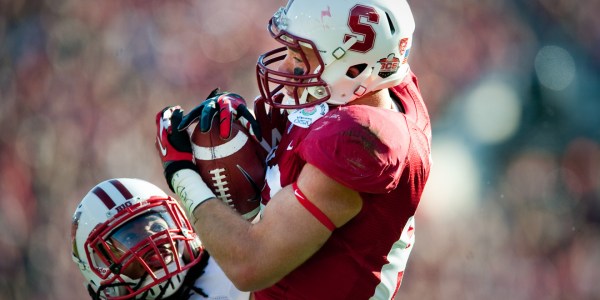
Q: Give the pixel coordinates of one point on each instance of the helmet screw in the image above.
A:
(320, 91)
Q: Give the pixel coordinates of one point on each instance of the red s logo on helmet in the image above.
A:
(361, 28)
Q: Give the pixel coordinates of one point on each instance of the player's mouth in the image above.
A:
(157, 260)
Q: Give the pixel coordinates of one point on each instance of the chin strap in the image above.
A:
(163, 289)
(96, 294)
(184, 292)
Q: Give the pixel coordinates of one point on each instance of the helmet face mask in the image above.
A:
(359, 47)
(139, 246)
(271, 80)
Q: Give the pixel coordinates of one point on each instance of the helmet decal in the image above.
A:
(402, 45)
(405, 60)
(389, 65)
(121, 188)
(325, 13)
(107, 200)
(104, 197)
(362, 29)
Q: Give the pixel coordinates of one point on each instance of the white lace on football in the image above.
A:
(221, 186)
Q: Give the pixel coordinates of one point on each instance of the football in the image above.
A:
(233, 168)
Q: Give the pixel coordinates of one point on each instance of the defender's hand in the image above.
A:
(230, 107)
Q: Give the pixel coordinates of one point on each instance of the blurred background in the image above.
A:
(512, 208)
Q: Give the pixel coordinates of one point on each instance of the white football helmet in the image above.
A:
(373, 36)
(131, 240)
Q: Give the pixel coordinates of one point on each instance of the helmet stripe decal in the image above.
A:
(122, 189)
(104, 197)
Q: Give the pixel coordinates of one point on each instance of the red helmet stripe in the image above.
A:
(122, 189)
(104, 197)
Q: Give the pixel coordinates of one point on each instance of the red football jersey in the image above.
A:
(385, 156)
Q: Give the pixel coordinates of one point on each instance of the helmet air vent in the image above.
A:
(392, 28)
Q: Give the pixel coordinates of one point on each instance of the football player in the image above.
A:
(349, 138)
(132, 241)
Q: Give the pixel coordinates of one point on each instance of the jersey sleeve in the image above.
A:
(359, 147)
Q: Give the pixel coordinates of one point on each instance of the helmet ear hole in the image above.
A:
(355, 70)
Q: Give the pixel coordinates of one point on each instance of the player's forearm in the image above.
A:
(244, 253)
(228, 238)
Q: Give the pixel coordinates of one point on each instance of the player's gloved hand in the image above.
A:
(272, 121)
(175, 151)
(229, 107)
(174, 146)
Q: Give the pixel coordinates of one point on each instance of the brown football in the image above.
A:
(234, 168)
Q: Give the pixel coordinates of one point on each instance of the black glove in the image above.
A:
(230, 107)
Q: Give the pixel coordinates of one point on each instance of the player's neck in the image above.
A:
(381, 99)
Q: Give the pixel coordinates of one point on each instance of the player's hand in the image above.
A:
(272, 120)
(173, 146)
(229, 107)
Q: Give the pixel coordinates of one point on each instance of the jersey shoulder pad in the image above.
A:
(362, 147)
